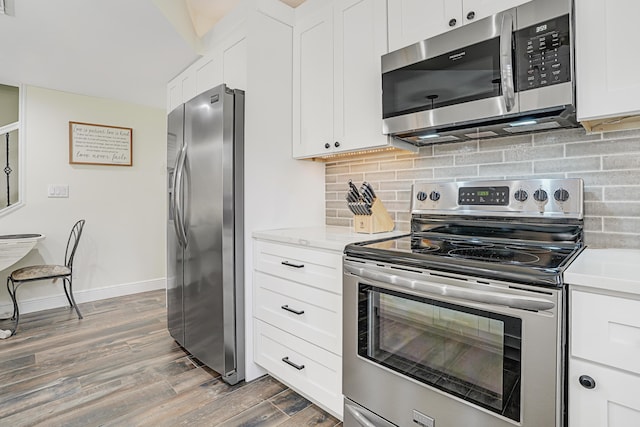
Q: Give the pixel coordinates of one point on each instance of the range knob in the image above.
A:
(561, 195)
(422, 196)
(540, 195)
(434, 196)
(521, 195)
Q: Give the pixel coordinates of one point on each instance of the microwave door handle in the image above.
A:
(506, 61)
(417, 287)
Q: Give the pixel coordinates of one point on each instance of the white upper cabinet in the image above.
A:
(337, 86)
(313, 84)
(607, 79)
(226, 63)
(411, 21)
(182, 88)
(359, 44)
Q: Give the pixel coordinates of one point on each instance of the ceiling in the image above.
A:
(120, 49)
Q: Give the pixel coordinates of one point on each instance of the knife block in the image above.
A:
(378, 222)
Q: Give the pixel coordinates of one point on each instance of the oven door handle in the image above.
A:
(506, 61)
(361, 418)
(429, 288)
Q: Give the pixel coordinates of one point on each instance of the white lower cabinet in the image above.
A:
(613, 402)
(305, 367)
(297, 310)
(306, 312)
(604, 364)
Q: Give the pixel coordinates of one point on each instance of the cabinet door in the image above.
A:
(174, 94)
(313, 84)
(234, 59)
(413, 20)
(208, 73)
(188, 84)
(606, 68)
(181, 88)
(606, 329)
(360, 41)
(613, 402)
(472, 10)
(225, 63)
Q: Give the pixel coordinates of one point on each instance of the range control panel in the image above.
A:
(543, 54)
(488, 196)
(530, 197)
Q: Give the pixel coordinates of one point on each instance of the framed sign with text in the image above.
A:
(92, 144)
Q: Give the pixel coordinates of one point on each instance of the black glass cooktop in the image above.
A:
(527, 262)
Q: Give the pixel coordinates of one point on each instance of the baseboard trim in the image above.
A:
(88, 295)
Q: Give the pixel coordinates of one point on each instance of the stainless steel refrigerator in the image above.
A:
(205, 268)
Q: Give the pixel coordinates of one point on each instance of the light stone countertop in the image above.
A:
(325, 237)
(606, 269)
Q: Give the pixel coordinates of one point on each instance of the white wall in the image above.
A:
(123, 245)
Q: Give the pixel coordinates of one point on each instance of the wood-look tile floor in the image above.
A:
(120, 367)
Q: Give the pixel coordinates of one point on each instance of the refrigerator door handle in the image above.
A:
(178, 221)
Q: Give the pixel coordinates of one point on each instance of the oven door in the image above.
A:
(437, 349)
(461, 76)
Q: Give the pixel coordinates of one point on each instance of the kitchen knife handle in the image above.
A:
(368, 195)
(290, 363)
(288, 264)
(354, 189)
(287, 308)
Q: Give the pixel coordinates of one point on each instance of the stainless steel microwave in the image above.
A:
(506, 74)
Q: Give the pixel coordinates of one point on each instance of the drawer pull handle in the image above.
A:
(298, 312)
(288, 264)
(290, 363)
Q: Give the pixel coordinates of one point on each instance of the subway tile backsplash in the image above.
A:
(609, 164)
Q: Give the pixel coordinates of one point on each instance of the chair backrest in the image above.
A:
(72, 243)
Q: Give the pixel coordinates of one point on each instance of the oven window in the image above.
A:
(470, 353)
(460, 76)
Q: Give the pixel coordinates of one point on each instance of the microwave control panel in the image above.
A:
(543, 54)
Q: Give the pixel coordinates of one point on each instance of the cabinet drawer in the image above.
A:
(306, 312)
(606, 329)
(613, 402)
(319, 372)
(313, 267)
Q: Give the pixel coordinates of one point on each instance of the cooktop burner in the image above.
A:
(496, 255)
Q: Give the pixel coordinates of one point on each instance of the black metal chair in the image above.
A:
(44, 272)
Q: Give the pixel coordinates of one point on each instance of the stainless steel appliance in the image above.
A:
(205, 278)
(461, 323)
(506, 74)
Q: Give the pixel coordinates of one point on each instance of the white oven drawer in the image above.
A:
(306, 312)
(318, 375)
(606, 329)
(313, 267)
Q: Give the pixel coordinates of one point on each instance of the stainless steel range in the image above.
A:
(461, 323)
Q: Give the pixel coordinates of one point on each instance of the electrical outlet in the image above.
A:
(58, 191)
